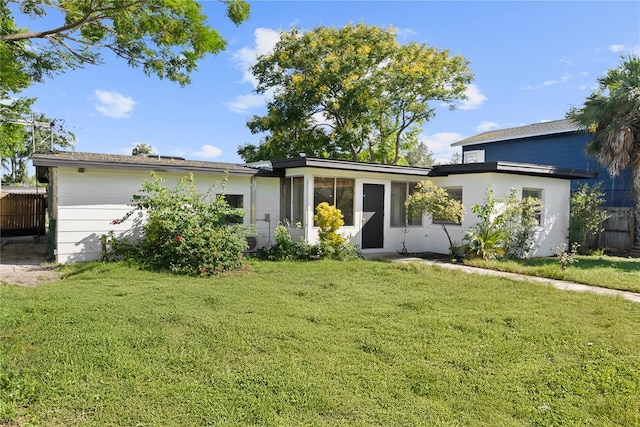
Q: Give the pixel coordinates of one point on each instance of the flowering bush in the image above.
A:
(187, 231)
(329, 220)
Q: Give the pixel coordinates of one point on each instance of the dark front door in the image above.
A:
(373, 216)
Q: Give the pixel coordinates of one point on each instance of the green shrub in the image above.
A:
(332, 244)
(587, 215)
(286, 248)
(329, 220)
(506, 228)
(186, 232)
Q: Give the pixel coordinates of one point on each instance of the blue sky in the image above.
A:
(532, 61)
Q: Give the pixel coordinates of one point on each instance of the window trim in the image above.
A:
(334, 192)
(230, 219)
(540, 216)
(416, 222)
(284, 216)
(435, 221)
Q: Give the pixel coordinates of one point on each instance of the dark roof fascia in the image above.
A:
(512, 168)
(313, 162)
(102, 161)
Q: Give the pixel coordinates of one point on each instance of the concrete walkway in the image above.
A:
(558, 284)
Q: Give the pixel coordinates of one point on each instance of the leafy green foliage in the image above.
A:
(611, 114)
(286, 248)
(329, 219)
(352, 93)
(164, 37)
(506, 226)
(187, 231)
(519, 220)
(331, 245)
(142, 149)
(567, 257)
(586, 213)
(434, 200)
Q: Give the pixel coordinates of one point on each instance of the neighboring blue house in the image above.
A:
(555, 143)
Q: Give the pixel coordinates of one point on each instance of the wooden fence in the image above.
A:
(22, 214)
(617, 232)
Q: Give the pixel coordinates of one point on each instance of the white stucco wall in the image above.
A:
(88, 202)
(431, 237)
(555, 198)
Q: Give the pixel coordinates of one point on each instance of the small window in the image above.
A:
(456, 194)
(534, 193)
(235, 201)
(400, 191)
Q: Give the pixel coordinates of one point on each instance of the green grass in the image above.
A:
(605, 271)
(316, 344)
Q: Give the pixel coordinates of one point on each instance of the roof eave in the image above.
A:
(50, 161)
(513, 168)
(313, 162)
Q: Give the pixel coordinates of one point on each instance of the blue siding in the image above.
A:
(562, 150)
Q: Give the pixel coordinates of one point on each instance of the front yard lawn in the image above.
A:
(605, 271)
(318, 343)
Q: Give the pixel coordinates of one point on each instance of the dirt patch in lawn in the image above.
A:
(23, 262)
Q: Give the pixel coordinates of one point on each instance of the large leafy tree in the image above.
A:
(611, 114)
(353, 93)
(164, 37)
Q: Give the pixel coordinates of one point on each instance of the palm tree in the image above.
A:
(611, 114)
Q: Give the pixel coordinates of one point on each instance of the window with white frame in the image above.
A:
(291, 200)
(400, 191)
(337, 192)
(234, 201)
(534, 193)
(456, 194)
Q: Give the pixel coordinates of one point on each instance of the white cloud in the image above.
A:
(405, 33)
(242, 104)
(566, 61)
(207, 152)
(265, 40)
(615, 48)
(487, 126)
(114, 104)
(440, 144)
(563, 79)
(475, 98)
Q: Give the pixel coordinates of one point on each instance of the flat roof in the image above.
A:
(513, 168)
(314, 162)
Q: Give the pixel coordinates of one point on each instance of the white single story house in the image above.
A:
(88, 191)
